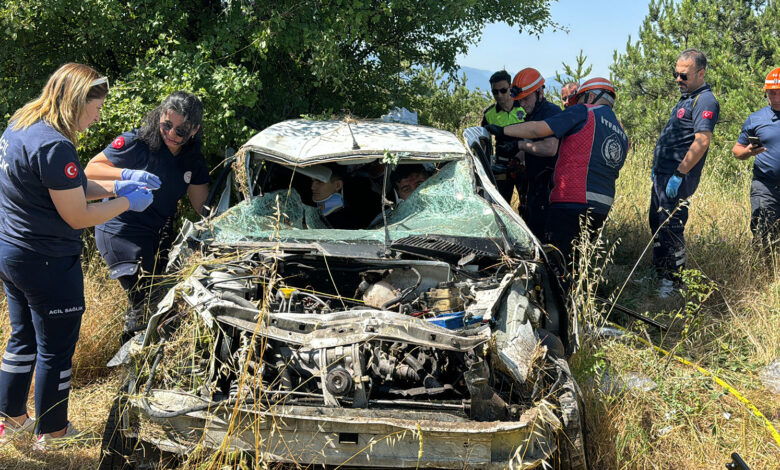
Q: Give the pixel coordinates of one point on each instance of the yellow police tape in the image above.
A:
(718, 380)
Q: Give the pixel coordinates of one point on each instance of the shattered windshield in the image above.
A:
(445, 204)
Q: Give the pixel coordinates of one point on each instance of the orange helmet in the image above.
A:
(596, 83)
(526, 82)
(773, 80)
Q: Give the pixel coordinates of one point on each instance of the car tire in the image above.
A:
(116, 449)
(571, 454)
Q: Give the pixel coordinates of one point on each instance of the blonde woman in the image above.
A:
(43, 209)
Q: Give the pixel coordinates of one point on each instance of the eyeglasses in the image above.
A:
(499, 91)
(166, 127)
(683, 76)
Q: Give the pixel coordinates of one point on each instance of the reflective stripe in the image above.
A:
(656, 244)
(64, 386)
(15, 369)
(523, 89)
(66, 373)
(599, 198)
(18, 357)
(680, 253)
(595, 84)
(680, 262)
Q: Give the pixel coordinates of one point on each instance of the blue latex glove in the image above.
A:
(123, 188)
(673, 185)
(150, 180)
(139, 199)
(497, 131)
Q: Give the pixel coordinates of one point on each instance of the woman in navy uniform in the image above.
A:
(166, 153)
(43, 209)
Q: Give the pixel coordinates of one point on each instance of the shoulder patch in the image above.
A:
(706, 114)
(680, 113)
(118, 143)
(71, 171)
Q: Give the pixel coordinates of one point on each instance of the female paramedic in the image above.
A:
(168, 147)
(43, 209)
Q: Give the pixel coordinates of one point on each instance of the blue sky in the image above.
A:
(598, 27)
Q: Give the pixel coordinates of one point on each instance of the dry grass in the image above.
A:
(687, 421)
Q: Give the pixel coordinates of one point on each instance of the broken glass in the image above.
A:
(445, 204)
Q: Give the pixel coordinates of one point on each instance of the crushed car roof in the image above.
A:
(305, 142)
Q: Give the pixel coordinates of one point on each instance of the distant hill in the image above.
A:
(478, 78)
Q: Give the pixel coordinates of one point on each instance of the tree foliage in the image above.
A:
(576, 73)
(250, 61)
(740, 40)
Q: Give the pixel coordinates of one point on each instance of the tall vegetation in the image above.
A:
(253, 62)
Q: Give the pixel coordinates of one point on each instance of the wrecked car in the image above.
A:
(434, 335)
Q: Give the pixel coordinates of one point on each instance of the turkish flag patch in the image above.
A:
(118, 143)
(706, 114)
(680, 113)
(71, 171)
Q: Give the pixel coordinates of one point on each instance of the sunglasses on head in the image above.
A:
(683, 76)
(179, 131)
(499, 91)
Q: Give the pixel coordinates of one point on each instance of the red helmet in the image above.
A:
(773, 80)
(596, 83)
(526, 82)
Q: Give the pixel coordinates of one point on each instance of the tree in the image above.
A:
(250, 61)
(572, 74)
(740, 40)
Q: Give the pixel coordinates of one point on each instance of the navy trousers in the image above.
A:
(537, 202)
(136, 262)
(668, 220)
(564, 226)
(764, 214)
(45, 304)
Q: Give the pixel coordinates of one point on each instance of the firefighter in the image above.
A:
(593, 149)
(539, 155)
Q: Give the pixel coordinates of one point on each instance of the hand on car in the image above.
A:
(150, 180)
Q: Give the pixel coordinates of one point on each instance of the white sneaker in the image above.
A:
(9, 431)
(47, 442)
(666, 289)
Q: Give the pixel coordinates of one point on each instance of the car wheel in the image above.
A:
(116, 449)
(571, 453)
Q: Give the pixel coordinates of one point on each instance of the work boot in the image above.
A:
(666, 288)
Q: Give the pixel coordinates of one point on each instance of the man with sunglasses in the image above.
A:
(678, 159)
(760, 137)
(508, 169)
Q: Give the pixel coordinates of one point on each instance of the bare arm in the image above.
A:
(543, 148)
(700, 144)
(198, 194)
(529, 130)
(99, 189)
(743, 152)
(72, 206)
(101, 168)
